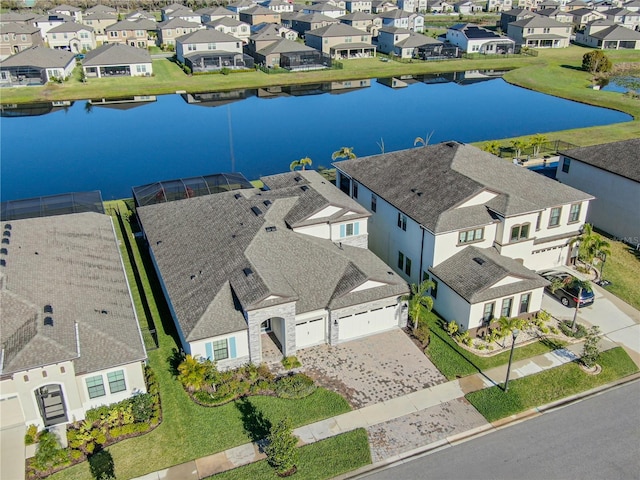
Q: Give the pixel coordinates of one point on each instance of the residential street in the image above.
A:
(594, 439)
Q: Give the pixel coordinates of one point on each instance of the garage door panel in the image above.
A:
(310, 333)
(367, 323)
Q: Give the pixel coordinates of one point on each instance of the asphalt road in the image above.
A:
(597, 438)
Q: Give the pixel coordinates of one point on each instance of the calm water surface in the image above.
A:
(92, 147)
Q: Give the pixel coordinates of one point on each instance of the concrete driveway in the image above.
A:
(617, 320)
(372, 369)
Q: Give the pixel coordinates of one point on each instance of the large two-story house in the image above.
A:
(74, 37)
(430, 205)
(209, 50)
(16, 37)
(540, 32)
(472, 38)
(341, 41)
(290, 259)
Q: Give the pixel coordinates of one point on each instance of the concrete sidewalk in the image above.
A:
(377, 414)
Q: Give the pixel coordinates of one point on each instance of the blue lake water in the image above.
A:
(112, 147)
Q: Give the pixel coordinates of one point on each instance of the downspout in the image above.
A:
(420, 278)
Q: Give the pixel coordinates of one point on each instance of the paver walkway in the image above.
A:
(413, 411)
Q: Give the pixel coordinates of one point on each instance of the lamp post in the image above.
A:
(514, 335)
(604, 259)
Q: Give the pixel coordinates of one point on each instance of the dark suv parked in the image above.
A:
(568, 293)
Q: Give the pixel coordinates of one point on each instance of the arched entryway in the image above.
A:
(272, 338)
(51, 403)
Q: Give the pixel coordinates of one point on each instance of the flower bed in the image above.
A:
(103, 426)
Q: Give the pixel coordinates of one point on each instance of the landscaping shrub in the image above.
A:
(282, 450)
(596, 62)
(291, 362)
(295, 386)
(591, 349)
(580, 332)
(31, 436)
(49, 454)
(141, 407)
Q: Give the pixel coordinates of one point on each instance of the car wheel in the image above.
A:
(564, 301)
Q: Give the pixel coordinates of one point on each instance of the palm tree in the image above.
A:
(492, 147)
(590, 245)
(419, 301)
(344, 152)
(424, 141)
(302, 163)
(581, 285)
(518, 145)
(536, 142)
(192, 373)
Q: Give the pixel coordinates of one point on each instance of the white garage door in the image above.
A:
(366, 323)
(310, 333)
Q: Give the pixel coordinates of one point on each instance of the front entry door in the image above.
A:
(51, 403)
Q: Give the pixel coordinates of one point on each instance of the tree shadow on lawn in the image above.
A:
(253, 421)
(572, 67)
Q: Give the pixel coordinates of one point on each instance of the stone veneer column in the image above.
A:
(286, 311)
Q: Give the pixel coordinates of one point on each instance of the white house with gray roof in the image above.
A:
(290, 259)
(36, 66)
(70, 339)
(429, 204)
(540, 32)
(611, 173)
(74, 37)
(117, 60)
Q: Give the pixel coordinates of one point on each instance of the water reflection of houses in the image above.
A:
(313, 88)
(461, 78)
(123, 103)
(216, 99)
(33, 109)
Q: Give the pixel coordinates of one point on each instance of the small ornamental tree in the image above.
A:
(49, 452)
(596, 62)
(591, 349)
(282, 451)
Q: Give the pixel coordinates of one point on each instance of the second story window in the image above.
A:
(539, 221)
(519, 232)
(574, 213)
(566, 163)
(471, 235)
(554, 218)
(355, 190)
(402, 221)
(374, 203)
(349, 229)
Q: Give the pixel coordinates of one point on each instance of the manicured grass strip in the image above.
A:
(325, 459)
(545, 387)
(454, 361)
(622, 269)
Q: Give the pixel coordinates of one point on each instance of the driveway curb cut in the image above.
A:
(483, 430)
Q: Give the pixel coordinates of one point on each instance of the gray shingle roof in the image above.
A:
(416, 40)
(282, 45)
(621, 158)
(428, 184)
(336, 30)
(203, 245)
(17, 28)
(472, 272)
(41, 57)
(539, 21)
(116, 54)
(616, 32)
(72, 263)
(70, 27)
(206, 36)
(177, 22)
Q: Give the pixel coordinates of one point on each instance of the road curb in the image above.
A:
(484, 429)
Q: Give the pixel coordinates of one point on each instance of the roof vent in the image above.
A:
(158, 242)
(267, 203)
(270, 229)
(104, 312)
(304, 188)
(48, 321)
(256, 211)
(451, 144)
(7, 226)
(6, 233)
(48, 309)
(4, 251)
(478, 260)
(192, 277)
(3, 262)
(6, 241)
(297, 178)
(247, 272)
(389, 272)
(237, 196)
(419, 194)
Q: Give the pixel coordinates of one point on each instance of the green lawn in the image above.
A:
(622, 269)
(545, 387)
(190, 431)
(320, 460)
(453, 361)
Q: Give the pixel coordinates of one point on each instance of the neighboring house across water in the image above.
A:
(467, 7)
(47, 22)
(36, 66)
(354, 6)
(70, 338)
(500, 5)
(280, 6)
(69, 11)
(600, 35)
(380, 6)
(311, 21)
(624, 17)
(556, 14)
(74, 37)
(366, 22)
(176, 27)
(233, 27)
(540, 32)
(514, 15)
(611, 173)
(472, 38)
(259, 14)
(215, 13)
(211, 50)
(185, 14)
(116, 60)
(327, 9)
(402, 19)
(582, 16)
(99, 22)
(341, 41)
(15, 37)
(132, 33)
(290, 259)
(404, 43)
(422, 223)
(291, 55)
